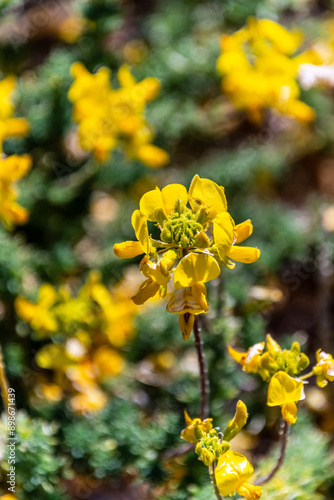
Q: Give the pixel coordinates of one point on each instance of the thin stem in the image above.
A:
(3, 382)
(308, 375)
(284, 440)
(204, 379)
(213, 479)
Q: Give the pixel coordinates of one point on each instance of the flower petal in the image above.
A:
(208, 193)
(223, 226)
(194, 268)
(289, 412)
(247, 255)
(183, 301)
(284, 389)
(150, 202)
(171, 193)
(139, 223)
(243, 231)
(146, 290)
(186, 323)
(128, 249)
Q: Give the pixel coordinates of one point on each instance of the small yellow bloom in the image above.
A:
(285, 391)
(9, 126)
(250, 360)
(110, 117)
(259, 69)
(324, 369)
(291, 361)
(195, 428)
(232, 472)
(237, 423)
(12, 169)
(197, 237)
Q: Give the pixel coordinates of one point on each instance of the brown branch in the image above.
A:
(284, 440)
(204, 379)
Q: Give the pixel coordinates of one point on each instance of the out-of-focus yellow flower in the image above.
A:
(232, 472)
(250, 360)
(197, 236)
(285, 391)
(324, 369)
(259, 70)
(195, 428)
(71, 28)
(110, 117)
(12, 169)
(9, 126)
(39, 315)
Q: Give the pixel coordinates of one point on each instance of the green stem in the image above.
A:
(213, 479)
(204, 379)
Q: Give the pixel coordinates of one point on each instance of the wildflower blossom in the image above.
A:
(110, 117)
(12, 169)
(259, 70)
(232, 472)
(197, 236)
(285, 391)
(90, 328)
(233, 469)
(324, 369)
(9, 126)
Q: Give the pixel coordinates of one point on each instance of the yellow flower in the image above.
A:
(285, 391)
(39, 315)
(250, 360)
(195, 428)
(197, 236)
(324, 369)
(110, 117)
(9, 126)
(237, 423)
(291, 361)
(232, 472)
(260, 70)
(12, 169)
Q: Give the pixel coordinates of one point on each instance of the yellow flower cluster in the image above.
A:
(259, 70)
(110, 117)
(13, 167)
(88, 330)
(281, 368)
(233, 469)
(197, 236)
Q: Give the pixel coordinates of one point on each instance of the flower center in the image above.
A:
(181, 227)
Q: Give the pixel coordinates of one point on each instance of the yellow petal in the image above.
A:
(150, 202)
(139, 223)
(247, 255)
(171, 193)
(199, 293)
(152, 156)
(271, 345)
(125, 78)
(289, 412)
(237, 423)
(250, 491)
(208, 193)
(183, 301)
(146, 290)
(243, 231)
(232, 470)
(194, 268)
(223, 226)
(128, 249)
(153, 272)
(284, 389)
(239, 357)
(186, 324)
